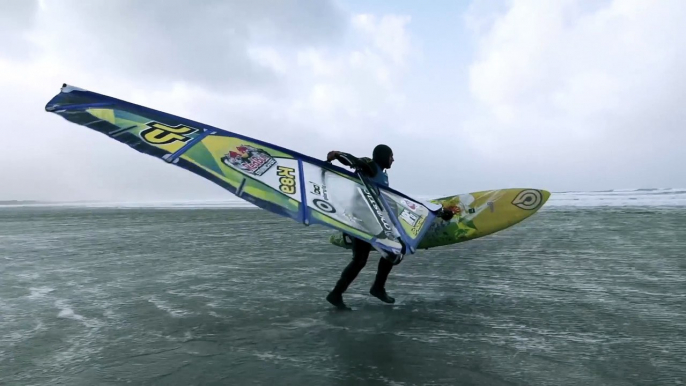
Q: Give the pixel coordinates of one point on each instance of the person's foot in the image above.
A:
(381, 294)
(337, 300)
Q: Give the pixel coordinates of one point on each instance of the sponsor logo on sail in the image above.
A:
(379, 214)
(249, 159)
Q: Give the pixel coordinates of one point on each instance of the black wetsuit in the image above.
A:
(361, 250)
(373, 168)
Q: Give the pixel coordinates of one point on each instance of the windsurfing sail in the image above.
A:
(271, 177)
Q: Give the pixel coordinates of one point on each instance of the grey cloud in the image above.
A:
(299, 22)
(204, 43)
(16, 20)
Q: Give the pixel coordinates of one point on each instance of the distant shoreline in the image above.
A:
(650, 197)
(129, 204)
(23, 202)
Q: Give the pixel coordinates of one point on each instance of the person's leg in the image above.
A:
(378, 288)
(361, 251)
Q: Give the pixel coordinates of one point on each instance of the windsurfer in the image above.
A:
(375, 169)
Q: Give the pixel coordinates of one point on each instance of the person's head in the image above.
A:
(383, 155)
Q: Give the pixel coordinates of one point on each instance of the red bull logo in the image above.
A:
(249, 159)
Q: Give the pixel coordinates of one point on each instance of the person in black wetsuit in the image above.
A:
(382, 158)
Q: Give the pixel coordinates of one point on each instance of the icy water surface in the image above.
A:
(571, 296)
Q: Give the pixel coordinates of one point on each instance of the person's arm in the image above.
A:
(351, 161)
(332, 155)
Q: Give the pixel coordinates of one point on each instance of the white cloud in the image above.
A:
(561, 95)
(563, 86)
(347, 90)
(303, 78)
(388, 33)
(268, 57)
(314, 61)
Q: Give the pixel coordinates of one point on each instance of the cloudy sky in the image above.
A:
(563, 95)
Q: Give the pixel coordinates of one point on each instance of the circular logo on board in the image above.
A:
(323, 205)
(529, 199)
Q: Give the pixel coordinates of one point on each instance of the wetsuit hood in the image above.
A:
(382, 154)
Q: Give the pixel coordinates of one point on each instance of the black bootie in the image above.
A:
(349, 274)
(378, 288)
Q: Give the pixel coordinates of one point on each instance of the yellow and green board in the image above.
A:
(477, 215)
